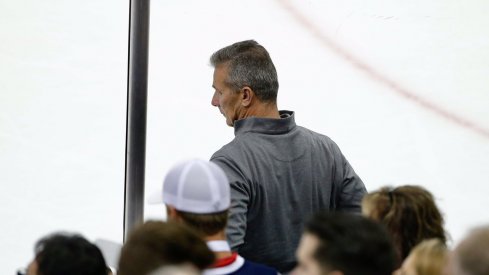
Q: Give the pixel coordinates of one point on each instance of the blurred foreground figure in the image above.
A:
(155, 244)
(344, 244)
(430, 257)
(471, 256)
(62, 254)
(175, 270)
(280, 173)
(409, 213)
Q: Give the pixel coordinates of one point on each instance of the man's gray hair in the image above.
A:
(249, 65)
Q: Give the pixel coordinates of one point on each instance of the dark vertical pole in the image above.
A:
(137, 94)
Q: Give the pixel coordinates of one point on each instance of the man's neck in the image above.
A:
(261, 110)
(219, 236)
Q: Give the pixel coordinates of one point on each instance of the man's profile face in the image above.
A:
(306, 263)
(227, 100)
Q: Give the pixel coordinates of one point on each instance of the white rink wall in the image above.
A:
(63, 100)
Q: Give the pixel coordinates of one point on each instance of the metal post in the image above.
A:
(137, 94)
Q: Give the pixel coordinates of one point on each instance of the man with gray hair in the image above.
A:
(279, 173)
(471, 256)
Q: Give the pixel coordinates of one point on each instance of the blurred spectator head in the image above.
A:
(410, 214)
(156, 244)
(176, 270)
(471, 256)
(430, 257)
(344, 244)
(61, 254)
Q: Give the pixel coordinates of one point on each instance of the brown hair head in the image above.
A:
(410, 214)
(155, 244)
(471, 256)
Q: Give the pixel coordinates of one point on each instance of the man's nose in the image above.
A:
(215, 100)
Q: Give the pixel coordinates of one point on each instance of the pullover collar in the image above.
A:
(271, 126)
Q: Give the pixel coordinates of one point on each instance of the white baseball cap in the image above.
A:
(195, 186)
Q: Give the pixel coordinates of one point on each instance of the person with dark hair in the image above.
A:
(196, 193)
(279, 173)
(410, 214)
(61, 254)
(471, 255)
(344, 244)
(156, 244)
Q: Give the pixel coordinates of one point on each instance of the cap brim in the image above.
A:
(155, 198)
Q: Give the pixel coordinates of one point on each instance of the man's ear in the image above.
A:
(171, 213)
(247, 96)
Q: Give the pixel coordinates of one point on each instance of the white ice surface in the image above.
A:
(63, 100)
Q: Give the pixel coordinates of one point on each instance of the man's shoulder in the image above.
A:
(231, 150)
(234, 149)
(315, 135)
(225, 151)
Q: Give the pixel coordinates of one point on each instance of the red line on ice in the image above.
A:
(377, 76)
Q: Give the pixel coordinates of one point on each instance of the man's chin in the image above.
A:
(229, 123)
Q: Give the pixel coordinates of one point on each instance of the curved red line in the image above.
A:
(377, 76)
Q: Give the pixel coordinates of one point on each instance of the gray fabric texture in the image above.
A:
(280, 174)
